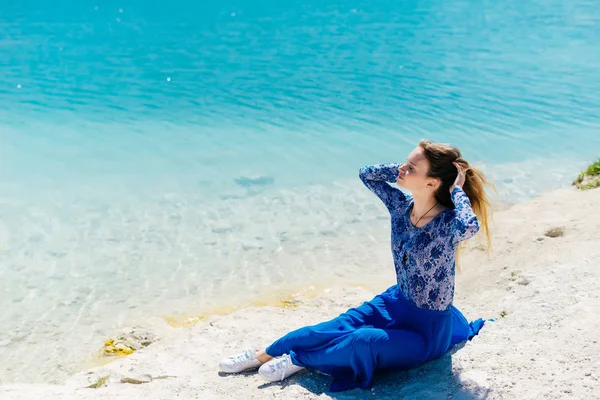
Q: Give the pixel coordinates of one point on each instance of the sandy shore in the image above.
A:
(541, 290)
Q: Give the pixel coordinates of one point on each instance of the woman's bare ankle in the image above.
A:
(262, 356)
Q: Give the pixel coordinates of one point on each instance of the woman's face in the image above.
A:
(413, 173)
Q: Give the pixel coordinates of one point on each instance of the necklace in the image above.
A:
(417, 223)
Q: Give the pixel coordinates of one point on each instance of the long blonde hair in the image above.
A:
(441, 158)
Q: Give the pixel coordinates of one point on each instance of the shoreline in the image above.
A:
(94, 295)
(538, 284)
(160, 326)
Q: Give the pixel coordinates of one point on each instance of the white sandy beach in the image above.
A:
(541, 290)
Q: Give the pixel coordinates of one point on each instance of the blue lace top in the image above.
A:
(424, 257)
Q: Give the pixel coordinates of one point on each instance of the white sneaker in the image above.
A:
(240, 362)
(278, 369)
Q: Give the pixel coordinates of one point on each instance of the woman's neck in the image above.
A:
(423, 204)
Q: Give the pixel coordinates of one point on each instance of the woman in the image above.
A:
(413, 321)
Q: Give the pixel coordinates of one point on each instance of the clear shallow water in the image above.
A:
(164, 159)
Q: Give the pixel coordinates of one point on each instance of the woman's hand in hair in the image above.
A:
(460, 178)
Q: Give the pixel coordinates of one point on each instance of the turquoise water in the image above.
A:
(165, 158)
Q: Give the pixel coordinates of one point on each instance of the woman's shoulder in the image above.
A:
(449, 214)
(445, 220)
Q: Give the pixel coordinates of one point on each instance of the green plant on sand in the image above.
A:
(590, 178)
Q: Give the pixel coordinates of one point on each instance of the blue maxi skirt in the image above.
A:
(386, 332)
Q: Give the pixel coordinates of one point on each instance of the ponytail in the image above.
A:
(441, 159)
(474, 187)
